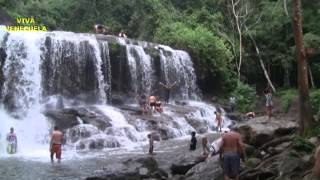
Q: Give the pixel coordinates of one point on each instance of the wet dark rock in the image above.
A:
(132, 169)
(260, 130)
(236, 116)
(67, 118)
(199, 125)
(208, 170)
(184, 164)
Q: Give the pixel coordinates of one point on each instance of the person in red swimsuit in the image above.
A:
(55, 144)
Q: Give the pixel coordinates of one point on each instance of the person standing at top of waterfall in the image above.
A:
(152, 103)
(232, 151)
(232, 101)
(219, 120)
(167, 88)
(55, 144)
(269, 102)
(12, 141)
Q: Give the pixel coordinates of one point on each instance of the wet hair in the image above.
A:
(193, 133)
(149, 136)
(143, 96)
(11, 129)
(215, 112)
(55, 128)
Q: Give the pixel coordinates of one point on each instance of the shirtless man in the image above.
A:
(232, 151)
(152, 103)
(100, 29)
(219, 120)
(55, 144)
(168, 88)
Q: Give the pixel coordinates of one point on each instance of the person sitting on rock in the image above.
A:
(159, 106)
(100, 29)
(215, 147)
(205, 147)
(250, 115)
(193, 144)
(122, 34)
(152, 103)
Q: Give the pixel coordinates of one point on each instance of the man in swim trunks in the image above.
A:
(55, 144)
(232, 151)
(12, 141)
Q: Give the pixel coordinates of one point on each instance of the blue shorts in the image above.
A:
(231, 164)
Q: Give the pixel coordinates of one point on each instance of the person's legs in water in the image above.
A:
(166, 101)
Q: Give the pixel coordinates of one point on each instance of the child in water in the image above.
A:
(193, 144)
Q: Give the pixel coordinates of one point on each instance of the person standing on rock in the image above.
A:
(193, 144)
(12, 141)
(167, 88)
(142, 100)
(150, 143)
(232, 151)
(269, 103)
(232, 101)
(152, 103)
(55, 144)
(219, 120)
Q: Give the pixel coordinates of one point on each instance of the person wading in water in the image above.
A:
(55, 144)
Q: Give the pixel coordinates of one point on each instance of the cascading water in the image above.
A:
(75, 71)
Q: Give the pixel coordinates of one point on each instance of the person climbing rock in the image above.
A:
(55, 144)
(167, 88)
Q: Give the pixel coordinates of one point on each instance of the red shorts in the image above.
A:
(56, 148)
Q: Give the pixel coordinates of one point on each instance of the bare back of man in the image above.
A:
(232, 151)
(55, 144)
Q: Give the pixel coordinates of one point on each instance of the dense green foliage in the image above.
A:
(287, 97)
(302, 145)
(315, 102)
(205, 28)
(245, 97)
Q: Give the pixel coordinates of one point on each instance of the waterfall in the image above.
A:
(72, 75)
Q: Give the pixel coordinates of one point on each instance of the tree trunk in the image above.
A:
(305, 113)
(261, 61)
(236, 16)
